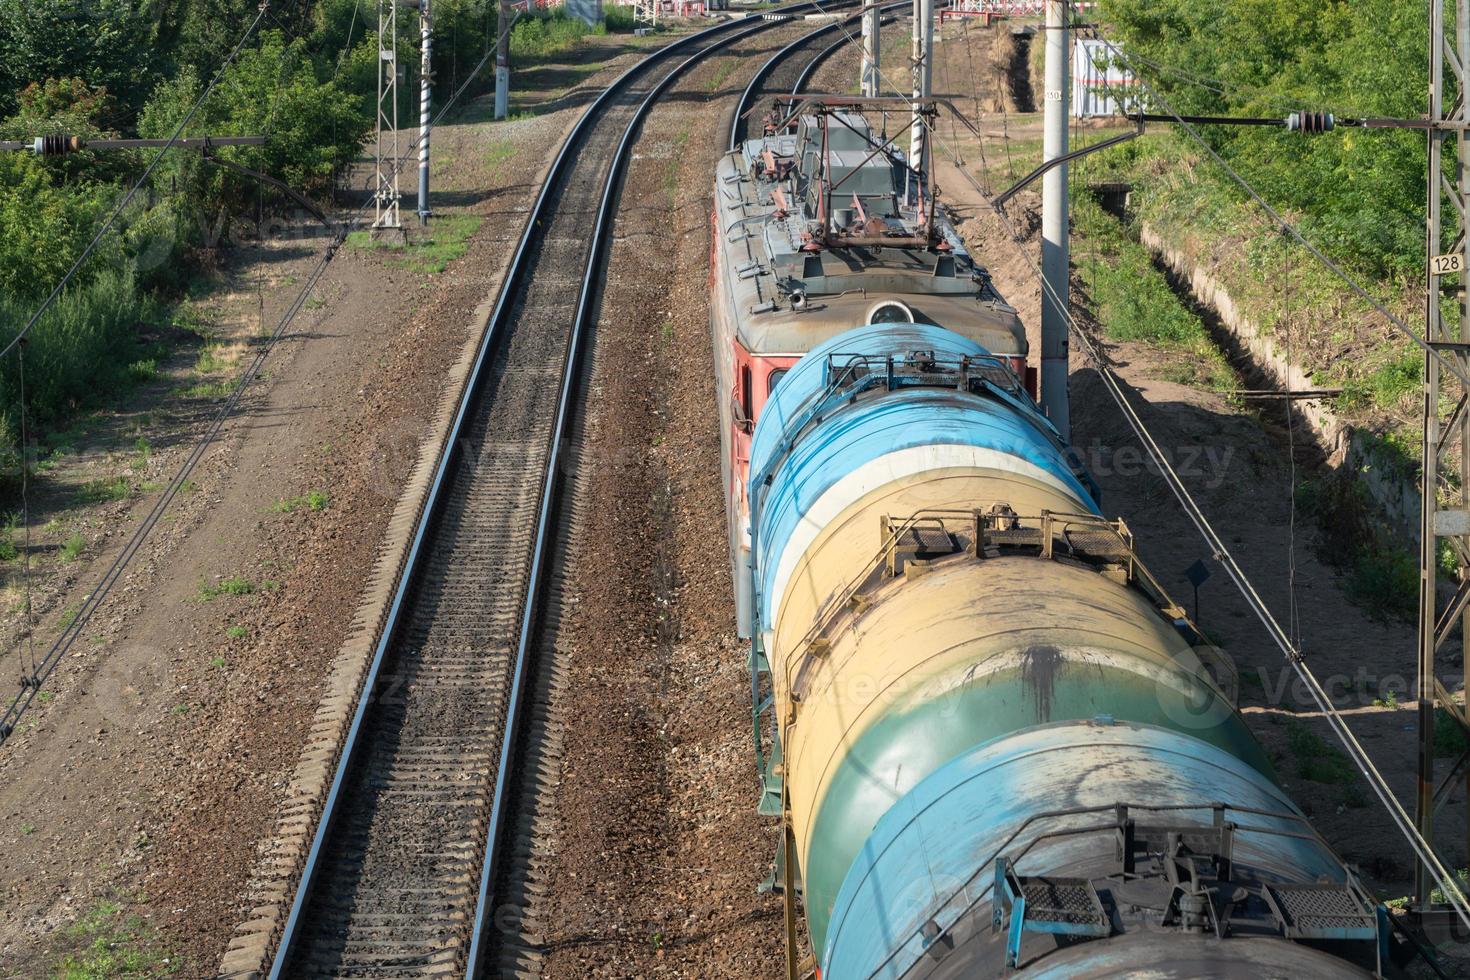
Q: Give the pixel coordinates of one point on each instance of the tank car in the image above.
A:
(997, 745)
(819, 224)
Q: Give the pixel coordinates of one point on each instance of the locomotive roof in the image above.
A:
(790, 295)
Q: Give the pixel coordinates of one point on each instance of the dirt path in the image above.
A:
(660, 847)
(142, 784)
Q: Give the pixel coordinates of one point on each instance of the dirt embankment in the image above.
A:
(139, 788)
(1240, 468)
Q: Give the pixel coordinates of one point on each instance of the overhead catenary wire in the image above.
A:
(1115, 387)
(1290, 229)
(142, 179)
(1221, 554)
(64, 641)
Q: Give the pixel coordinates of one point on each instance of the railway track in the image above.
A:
(407, 871)
(790, 70)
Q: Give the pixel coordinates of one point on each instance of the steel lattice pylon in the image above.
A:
(1445, 507)
(385, 188)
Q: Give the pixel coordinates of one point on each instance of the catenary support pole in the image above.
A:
(426, 75)
(872, 52)
(923, 51)
(1055, 252)
(502, 62)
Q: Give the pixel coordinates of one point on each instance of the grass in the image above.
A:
(448, 239)
(237, 632)
(113, 945)
(104, 491)
(311, 500)
(722, 74)
(543, 35)
(235, 585)
(1133, 301)
(499, 153)
(1315, 759)
(73, 546)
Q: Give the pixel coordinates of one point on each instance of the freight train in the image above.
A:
(996, 745)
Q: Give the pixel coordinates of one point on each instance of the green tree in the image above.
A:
(106, 43)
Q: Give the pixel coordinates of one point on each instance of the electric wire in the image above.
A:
(1116, 390)
(1115, 387)
(64, 641)
(132, 191)
(1288, 227)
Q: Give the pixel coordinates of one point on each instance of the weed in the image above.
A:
(213, 359)
(1315, 759)
(315, 303)
(1389, 700)
(236, 632)
(1449, 737)
(217, 661)
(181, 709)
(543, 35)
(28, 829)
(210, 389)
(141, 372)
(45, 697)
(8, 550)
(499, 153)
(618, 19)
(1385, 582)
(666, 331)
(69, 616)
(448, 240)
(114, 945)
(188, 486)
(235, 585)
(312, 500)
(105, 491)
(73, 546)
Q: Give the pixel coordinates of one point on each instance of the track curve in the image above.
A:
(400, 878)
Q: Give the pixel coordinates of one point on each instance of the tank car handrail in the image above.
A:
(1121, 810)
(977, 520)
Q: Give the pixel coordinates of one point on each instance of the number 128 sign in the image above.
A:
(1443, 265)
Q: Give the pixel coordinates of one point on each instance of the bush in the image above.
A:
(314, 130)
(544, 34)
(78, 354)
(1361, 195)
(616, 17)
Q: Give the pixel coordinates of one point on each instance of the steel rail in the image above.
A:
(449, 453)
(884, 19)
(587, 302)
(753, 90)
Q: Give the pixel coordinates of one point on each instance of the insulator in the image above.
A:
(1311, 122)
(55, 146)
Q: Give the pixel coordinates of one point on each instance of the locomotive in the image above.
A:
(996, 745)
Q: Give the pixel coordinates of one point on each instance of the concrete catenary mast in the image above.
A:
(1055, 253)
(872, 48)
(502, 61)
(923, 52)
